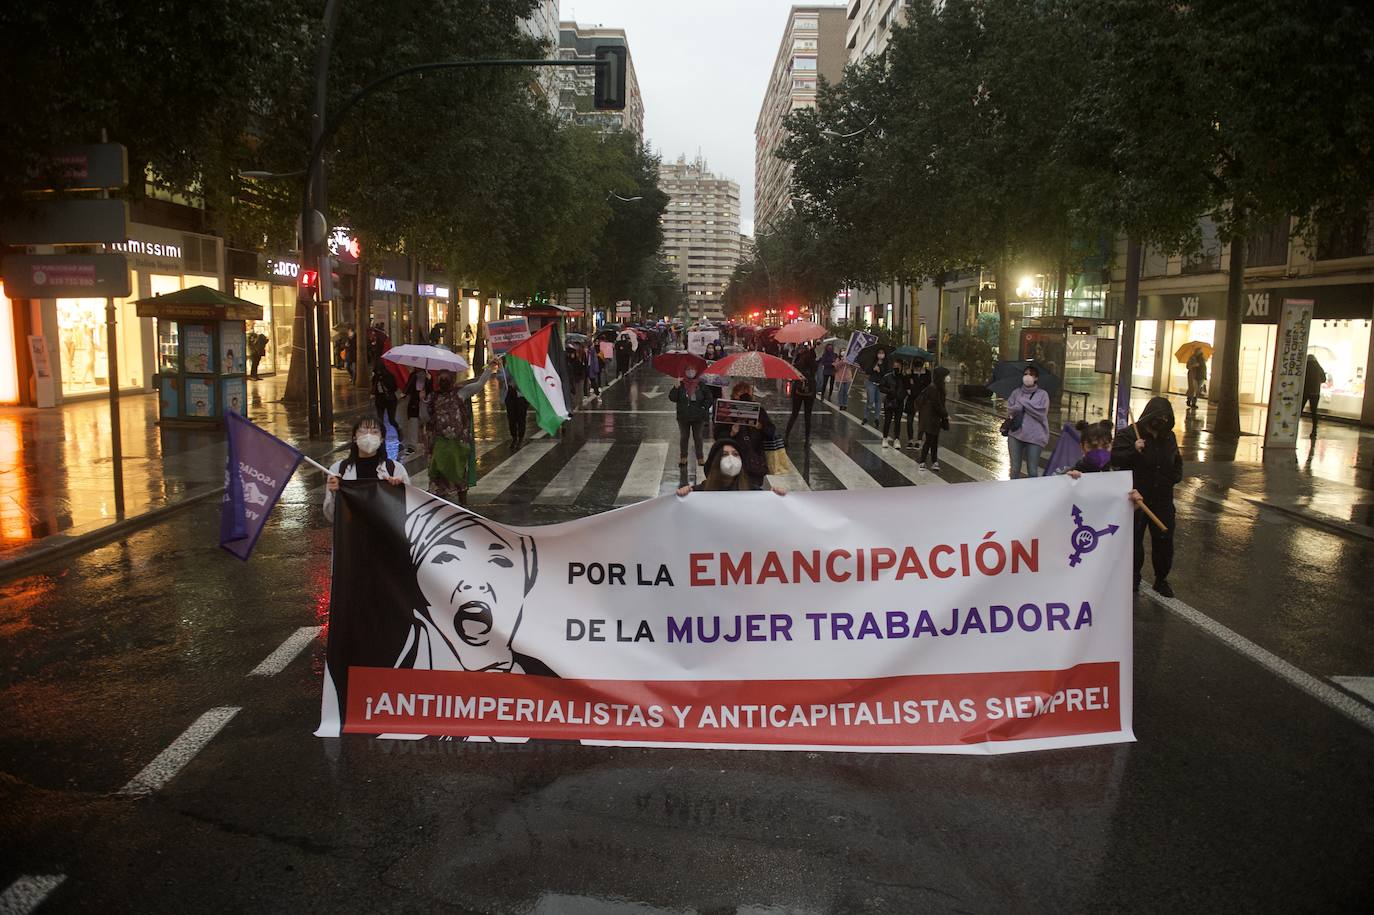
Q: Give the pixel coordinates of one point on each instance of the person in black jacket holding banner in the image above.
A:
(1149, 450)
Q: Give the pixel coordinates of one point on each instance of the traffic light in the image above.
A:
(609, 91)
(309, 282)
(791, 313)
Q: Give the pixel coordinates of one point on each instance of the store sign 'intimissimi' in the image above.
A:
(152, 248)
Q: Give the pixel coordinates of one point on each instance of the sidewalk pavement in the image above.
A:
(57, 468)
(1328, 481)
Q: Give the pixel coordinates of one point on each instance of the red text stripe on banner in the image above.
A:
(926, 710)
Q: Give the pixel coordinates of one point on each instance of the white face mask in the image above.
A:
(731, 465)
(369, 443)
(1028, 380)
(691, 373)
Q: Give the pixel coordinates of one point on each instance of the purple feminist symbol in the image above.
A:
(1084, 538)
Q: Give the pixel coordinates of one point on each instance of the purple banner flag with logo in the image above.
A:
(257, 470)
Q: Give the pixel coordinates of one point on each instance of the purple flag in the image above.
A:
(257, 470)
(1067, 452)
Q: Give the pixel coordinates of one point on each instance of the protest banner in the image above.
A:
(738, 412)
(818, 620)
(698, 339)
(857, 341)
(504, 334)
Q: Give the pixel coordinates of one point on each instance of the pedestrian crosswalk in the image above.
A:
(603, 474)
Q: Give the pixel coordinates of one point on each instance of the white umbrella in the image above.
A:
(429, 358)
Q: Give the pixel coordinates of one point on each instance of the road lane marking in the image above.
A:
(28, 892)
(1361, 686)
(646, 473)
(564, 488)
(508, 471)
(844, 467)
(286, 652)
(968, 468)
(179, 752)
(906, 466)
(1328, 695)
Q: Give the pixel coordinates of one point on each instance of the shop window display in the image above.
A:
(1342, 347)
(83, 348)
(1181, 332)
(1146, 343)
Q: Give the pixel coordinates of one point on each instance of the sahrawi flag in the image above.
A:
(257, 470)
(534, 367)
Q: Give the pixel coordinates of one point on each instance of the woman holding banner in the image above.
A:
(366, 461)
(725, 471)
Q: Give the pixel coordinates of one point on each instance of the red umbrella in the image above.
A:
(677, 364)
(800, 332)
(753, 364)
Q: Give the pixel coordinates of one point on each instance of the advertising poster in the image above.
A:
(233, 348)
(502, 335)
(1290, 372)
(200, 397)
(196, 343)
(233, 395)
(740, 620)
(169, 398)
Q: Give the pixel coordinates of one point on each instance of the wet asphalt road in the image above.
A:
(1242, 793)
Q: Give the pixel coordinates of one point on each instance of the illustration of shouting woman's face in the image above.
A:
(474, 578)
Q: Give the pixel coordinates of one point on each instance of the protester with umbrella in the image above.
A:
(803, 391)
(917, 381)
(384, 399)
(1027, 426)
(873, 360)
(452, 457)
(893, 386)
(826, 382)
(1197, 371)
(693, 399)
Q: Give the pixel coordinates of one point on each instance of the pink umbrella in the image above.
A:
(801, 332)
(753, 364)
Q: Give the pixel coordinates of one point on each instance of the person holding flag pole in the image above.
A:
(536, 367)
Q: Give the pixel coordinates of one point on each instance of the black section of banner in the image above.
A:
(373, 593)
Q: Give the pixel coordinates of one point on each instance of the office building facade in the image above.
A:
(701, 239)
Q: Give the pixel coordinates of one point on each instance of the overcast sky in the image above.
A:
(702, 68)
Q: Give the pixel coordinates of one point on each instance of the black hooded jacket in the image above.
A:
(1159, 467)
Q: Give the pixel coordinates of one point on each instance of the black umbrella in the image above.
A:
(869, 354)
(1006, 377)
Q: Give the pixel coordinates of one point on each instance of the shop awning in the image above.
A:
(198, 303)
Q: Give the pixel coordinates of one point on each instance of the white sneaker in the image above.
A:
(886, 443)
(921, 465)
(935, 466)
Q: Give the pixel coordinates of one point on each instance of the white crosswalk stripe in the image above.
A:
(645, 478)
(564, 488)
(906, 466)
(1360, 686)
(965, 466)
(510, 470)
(845, 469)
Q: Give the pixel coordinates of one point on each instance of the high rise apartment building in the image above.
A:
(542, 26)
(869, 26)
(701, 239)
(576, 85)
(812, 46)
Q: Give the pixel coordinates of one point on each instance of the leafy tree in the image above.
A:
(1245, 110)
